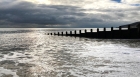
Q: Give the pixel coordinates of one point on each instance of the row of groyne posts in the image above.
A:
(121, 33)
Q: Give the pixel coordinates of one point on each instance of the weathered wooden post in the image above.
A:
(104, 32)
(75, 32)
(120, 31)
(85, 33)
(80, 33)
(54, 33)
(62, 33)
(66, 33)
(70, 33)
(129, 32)
(48, 33)
(91, 30)
(98, 33)
(51, 33)
(58, 33)
(112, 32)
(138, 26)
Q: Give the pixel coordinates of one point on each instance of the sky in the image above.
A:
(68, 13)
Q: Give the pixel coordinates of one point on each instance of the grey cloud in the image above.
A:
(29, 13)
(25, 14)
(119, 14)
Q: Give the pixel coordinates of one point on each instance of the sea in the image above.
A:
(30, 52)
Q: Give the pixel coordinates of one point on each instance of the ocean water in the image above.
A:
(30, 52)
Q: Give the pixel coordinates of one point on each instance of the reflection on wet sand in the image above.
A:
(35, 54)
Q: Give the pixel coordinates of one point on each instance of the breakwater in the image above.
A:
(119, 33)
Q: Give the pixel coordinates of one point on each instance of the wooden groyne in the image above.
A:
(120, 33)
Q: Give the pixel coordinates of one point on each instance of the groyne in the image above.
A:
(120, 33)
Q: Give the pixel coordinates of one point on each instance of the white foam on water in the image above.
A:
(7, 72)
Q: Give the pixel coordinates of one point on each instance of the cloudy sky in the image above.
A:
(68, 13)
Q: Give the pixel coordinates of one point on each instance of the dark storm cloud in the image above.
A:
(15, 13)
(25, 12)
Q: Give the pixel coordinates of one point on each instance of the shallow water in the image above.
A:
(33, 53)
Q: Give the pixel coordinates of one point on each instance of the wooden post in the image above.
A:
(80, 32)
(66, 33)
(112, 32)
(58, 33)
(70, 32)
(54, 33)
(104, 32)
(139, 32)
(62, 33)
(91, 30)
(85, 35)
(51, 33)
(48, 33)
(75, 32)
(98, 33)
(129, 32)
(85, 31)
(138, 26)
(120, 32)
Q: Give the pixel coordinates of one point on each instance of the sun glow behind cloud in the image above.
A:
(131, 1)
(90, 4)
(40, 1)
